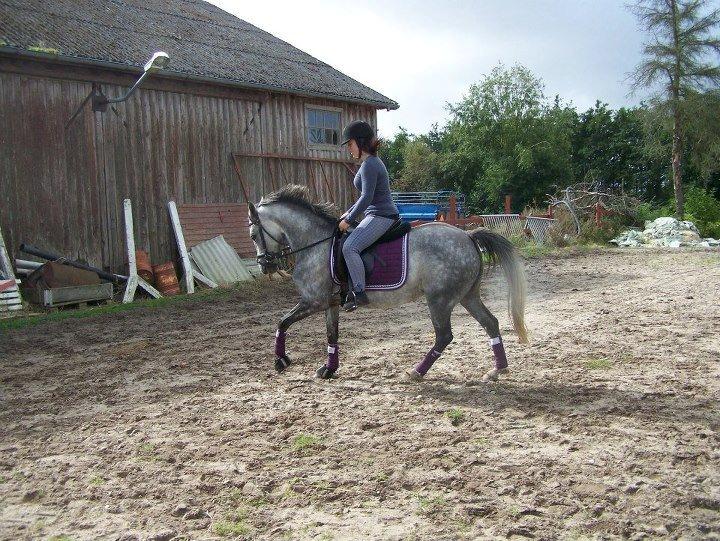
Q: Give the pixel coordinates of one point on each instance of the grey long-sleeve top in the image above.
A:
(374, 184)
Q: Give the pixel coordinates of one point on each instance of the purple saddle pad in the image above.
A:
(391, 266)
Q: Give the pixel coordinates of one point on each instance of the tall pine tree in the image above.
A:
(681, 55)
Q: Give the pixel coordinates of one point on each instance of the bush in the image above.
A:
(704, 211)
(609, 228)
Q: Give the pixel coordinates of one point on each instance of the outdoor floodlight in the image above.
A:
(158, 61)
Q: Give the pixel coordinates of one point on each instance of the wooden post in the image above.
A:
(189, 274)
(508, 201)
(133, 279)
(327, 183)
(452, 216)
(242, 184)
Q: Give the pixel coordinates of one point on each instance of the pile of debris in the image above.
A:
(666, 231)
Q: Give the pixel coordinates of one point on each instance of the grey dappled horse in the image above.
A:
(445, 266)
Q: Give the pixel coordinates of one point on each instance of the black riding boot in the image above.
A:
(355, 299)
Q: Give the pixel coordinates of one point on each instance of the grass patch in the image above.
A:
(248, 289)
(60, 538)
(303, 443)
(226, 528)
(96, 481)
(598, 364)
(431, 504)
(481, 441)
(456, 416)
(146, 451)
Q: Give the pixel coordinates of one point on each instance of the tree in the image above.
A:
(678, 57)
(504, 138)
(391, 152)
(421, 167)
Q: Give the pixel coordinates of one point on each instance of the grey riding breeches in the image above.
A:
(369, 230)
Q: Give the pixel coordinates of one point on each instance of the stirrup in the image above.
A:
(354, 300)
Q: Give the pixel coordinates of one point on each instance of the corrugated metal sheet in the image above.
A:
(539, 227)
(217, 260)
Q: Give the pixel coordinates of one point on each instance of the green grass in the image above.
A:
(96, 481)
(455, 415)
(598, 364)
(22, 322)
(305, 442)
(481, 441)
(227, 528)
(60, 538)
(146, 451)
(431, 504)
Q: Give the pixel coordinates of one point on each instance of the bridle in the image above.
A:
(268, 258)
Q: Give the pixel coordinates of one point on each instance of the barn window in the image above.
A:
(323, 126)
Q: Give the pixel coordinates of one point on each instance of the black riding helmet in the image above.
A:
(358, 130)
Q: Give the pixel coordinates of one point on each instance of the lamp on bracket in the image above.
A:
(100, 101)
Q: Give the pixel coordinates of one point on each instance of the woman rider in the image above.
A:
(375, 202)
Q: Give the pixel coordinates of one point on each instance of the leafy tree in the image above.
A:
(504, 138)
(677, 57)
(391, 152)
(421, 167)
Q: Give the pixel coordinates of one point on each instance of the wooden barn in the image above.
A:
(236, 113)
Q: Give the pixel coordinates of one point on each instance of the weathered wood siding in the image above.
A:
(62, 189)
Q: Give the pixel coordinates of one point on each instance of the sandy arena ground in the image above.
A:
(170, 423)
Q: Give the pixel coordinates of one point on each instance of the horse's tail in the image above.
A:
(500, 250)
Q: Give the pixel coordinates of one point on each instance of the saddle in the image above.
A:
(369, 255)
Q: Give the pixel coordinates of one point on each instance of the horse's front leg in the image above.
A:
(332, 316)
(301, 311)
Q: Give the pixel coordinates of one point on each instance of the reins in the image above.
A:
(268, 257)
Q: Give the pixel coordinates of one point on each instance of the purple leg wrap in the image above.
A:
(280, 343)
(423, 366)
(499, 352)
(333, 361)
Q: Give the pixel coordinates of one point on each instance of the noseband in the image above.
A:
(267, 257)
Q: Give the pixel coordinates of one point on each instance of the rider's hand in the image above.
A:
(343, 225)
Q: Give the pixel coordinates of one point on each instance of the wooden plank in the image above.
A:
(182, 249)
(277, 155)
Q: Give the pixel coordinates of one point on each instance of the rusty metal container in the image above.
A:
(144, 268)
(166, 279)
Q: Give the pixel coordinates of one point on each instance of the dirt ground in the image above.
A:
(171, 423)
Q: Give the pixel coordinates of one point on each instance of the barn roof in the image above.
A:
(203, 41)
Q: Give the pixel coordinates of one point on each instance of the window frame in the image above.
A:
(306, 126)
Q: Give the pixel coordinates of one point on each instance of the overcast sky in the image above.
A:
(425, 53)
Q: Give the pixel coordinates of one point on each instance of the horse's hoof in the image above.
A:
(492, 375)
(413, 375)
(325, 373)
(281, 363)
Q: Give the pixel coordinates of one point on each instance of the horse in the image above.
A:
(445, 265)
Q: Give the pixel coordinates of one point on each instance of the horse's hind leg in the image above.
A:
(327, 370)
(440, 311)
(479, 311)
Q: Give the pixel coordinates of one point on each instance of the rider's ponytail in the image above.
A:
(369, 145)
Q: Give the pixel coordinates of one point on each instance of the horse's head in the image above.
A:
(268, 238)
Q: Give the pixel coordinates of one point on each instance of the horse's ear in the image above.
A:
(252, 212)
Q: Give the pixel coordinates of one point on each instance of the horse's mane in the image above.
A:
(294, 194)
